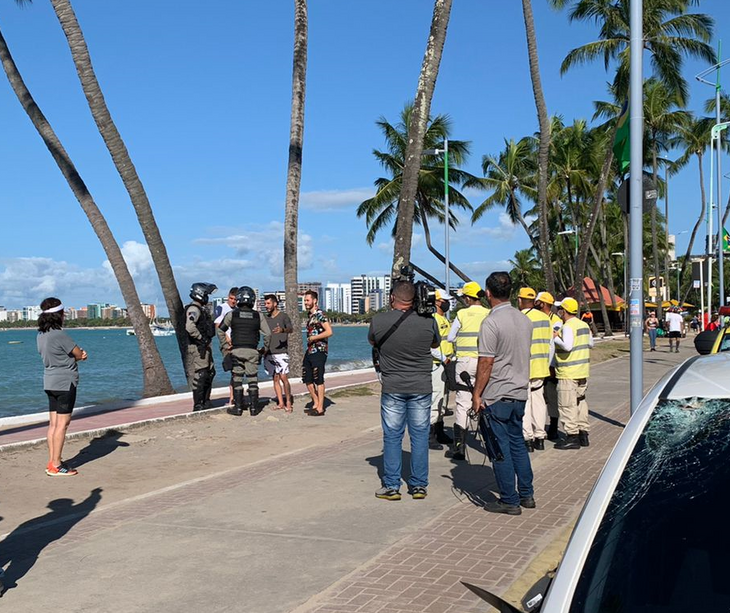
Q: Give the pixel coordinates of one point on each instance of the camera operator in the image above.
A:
(404, 341)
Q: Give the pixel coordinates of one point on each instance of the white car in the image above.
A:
(653, 535)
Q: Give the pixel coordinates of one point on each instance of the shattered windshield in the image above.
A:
(663, 544)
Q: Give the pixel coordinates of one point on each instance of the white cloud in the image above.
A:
(504, 231)
(330, 200)
(479, 271)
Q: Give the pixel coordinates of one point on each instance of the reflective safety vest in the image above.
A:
(470, 320)
(555, 321)
(575, 364)
(447, 348)
(542, 334)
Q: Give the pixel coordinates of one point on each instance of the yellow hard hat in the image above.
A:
(471, 289)
(545, 297)
(569, 305)
(527, 293)
(438, 295)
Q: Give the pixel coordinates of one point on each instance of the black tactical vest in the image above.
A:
(245, 327)
(205, 324)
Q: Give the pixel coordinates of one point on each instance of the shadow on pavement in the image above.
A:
(22, 547)
(98, 448)
(608, 420)
(376, 462)
(474, 477)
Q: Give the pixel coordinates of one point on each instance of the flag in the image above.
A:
(622, 142)
(725, 241)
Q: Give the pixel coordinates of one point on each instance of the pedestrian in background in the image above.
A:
(60, 381)
(218, 314)
(675, 323)
(500, 394)
(403, 340)
(318, 332)
(651, 325)
(276, 360)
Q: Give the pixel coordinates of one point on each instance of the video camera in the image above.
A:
(424, 302)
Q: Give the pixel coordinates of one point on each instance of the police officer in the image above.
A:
(246, 326)
(200, 328)
(465, 332)
(533, 422)
(572, 360)
(545, 302)
(442, 355)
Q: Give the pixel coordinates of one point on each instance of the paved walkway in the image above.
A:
(301, 531)
(99, 418)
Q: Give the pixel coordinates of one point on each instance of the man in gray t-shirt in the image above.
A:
(276, 360)
(500, 393)
(405, 363)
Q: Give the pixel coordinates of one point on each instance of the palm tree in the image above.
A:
(416, 131)
(662, 120)
(670, 35)
(694, 139)
(510, 176)
(156, 381)
(526, 270)
(544, 146)
(294, 177)
(125, 167)
(381, 210)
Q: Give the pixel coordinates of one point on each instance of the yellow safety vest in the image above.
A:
(470, 320)
(447, 348)
(542, 334)
(555, 321)
(575, 364)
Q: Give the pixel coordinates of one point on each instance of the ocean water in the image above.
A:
(113, 370)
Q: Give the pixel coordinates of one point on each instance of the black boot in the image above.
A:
(253, 398)
(539, 444)
(552, 431)
(530, 445)
(198, 399)
(441, 435)
(433, 441)
(237, 408)
(458, 448)
(572, 441)
(583, 437)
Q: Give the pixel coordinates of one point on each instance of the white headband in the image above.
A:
(54, 309)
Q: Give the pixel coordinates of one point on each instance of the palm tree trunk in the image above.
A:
(696, 227)
(294, 180)
(416, 132)
(601, 268)
(156, 381)
(544, 145)
(125, 167)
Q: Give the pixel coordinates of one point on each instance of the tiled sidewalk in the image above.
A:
(466, 543)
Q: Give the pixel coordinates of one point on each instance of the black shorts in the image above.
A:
(675, 334)
(314, 368)
(61, 402)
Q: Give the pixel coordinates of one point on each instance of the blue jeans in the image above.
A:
(506, 421)
(652, 338)
(397, 410)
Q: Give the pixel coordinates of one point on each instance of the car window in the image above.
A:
(663, 544)
(725, 342)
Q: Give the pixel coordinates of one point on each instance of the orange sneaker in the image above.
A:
(60, 471)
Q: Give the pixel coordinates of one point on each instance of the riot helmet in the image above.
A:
(201, 291)
(245, 297)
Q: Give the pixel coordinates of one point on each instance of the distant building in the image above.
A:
(361, 288)
(3, 313)
(376, 300)
(338, 297)
(150, 310)
(314, 286)
(71, 313)
(94, 310)
(15, 315)
(31, 313)
(82, 313)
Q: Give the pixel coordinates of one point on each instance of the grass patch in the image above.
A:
(349, 392)
(607, 350)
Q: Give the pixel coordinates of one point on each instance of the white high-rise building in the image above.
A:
(3, 313)
(338, 297)
(31, 313)
(363, 285)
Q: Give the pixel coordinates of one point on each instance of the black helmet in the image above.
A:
(245, 296)
(201, 291)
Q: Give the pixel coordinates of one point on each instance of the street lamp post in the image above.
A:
(447, 216)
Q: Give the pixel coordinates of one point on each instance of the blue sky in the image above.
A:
(202, 95)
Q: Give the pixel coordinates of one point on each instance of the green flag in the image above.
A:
(622, 142)
(725, 241)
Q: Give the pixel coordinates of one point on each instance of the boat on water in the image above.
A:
(157, 329)
(15, 342)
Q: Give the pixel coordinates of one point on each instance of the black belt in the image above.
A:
(510, 400)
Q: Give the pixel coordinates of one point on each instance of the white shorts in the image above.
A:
(277, 364)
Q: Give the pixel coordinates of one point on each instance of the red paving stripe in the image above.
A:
(140, 414)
